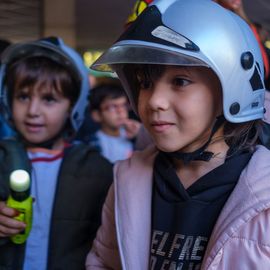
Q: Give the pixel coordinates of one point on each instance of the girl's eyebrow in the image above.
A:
(184, 70)
(21, 90)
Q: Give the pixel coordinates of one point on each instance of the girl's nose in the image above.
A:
(159, 99)
(34, 107)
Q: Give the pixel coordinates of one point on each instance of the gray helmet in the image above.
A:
(195, 33)
(56, 50)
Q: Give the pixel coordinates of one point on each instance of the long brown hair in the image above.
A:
(242, 136)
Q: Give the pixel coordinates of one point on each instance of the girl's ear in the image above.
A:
(96, 116)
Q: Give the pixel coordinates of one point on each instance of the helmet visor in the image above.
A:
(143, 54)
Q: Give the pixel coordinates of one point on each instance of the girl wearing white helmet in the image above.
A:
(44, 88)
(199, 198)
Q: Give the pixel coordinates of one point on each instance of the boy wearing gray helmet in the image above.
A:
(44, 88)
(198, 199)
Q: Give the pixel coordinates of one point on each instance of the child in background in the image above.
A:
(109, 107)
(44, 88)
(200, 198)
(5, 130)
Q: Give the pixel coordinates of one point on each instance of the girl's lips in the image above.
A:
(161, 126)
(33, 127)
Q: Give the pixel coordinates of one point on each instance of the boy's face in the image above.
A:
(180, 108)
(112, 114)
(39, 115)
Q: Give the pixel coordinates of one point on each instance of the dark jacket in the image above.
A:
(83, 182)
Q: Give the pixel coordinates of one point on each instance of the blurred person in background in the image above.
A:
(44, 88)
(89, 127)
(5, 130)
(109, 108)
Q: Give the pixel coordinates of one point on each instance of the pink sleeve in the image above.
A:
(104, 253)
(248, 248)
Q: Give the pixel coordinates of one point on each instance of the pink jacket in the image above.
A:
(240, 239)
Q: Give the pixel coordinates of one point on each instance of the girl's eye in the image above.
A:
(22, 96)
(180, 82)
(49, 99)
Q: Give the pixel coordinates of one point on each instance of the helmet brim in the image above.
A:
(124, 53)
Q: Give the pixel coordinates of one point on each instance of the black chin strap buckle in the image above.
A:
(188, 157)
(205, 156)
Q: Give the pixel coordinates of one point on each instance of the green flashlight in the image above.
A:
(20, 199)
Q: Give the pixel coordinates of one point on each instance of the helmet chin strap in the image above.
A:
(199, 154)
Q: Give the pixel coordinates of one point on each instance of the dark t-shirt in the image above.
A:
(183, 219)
